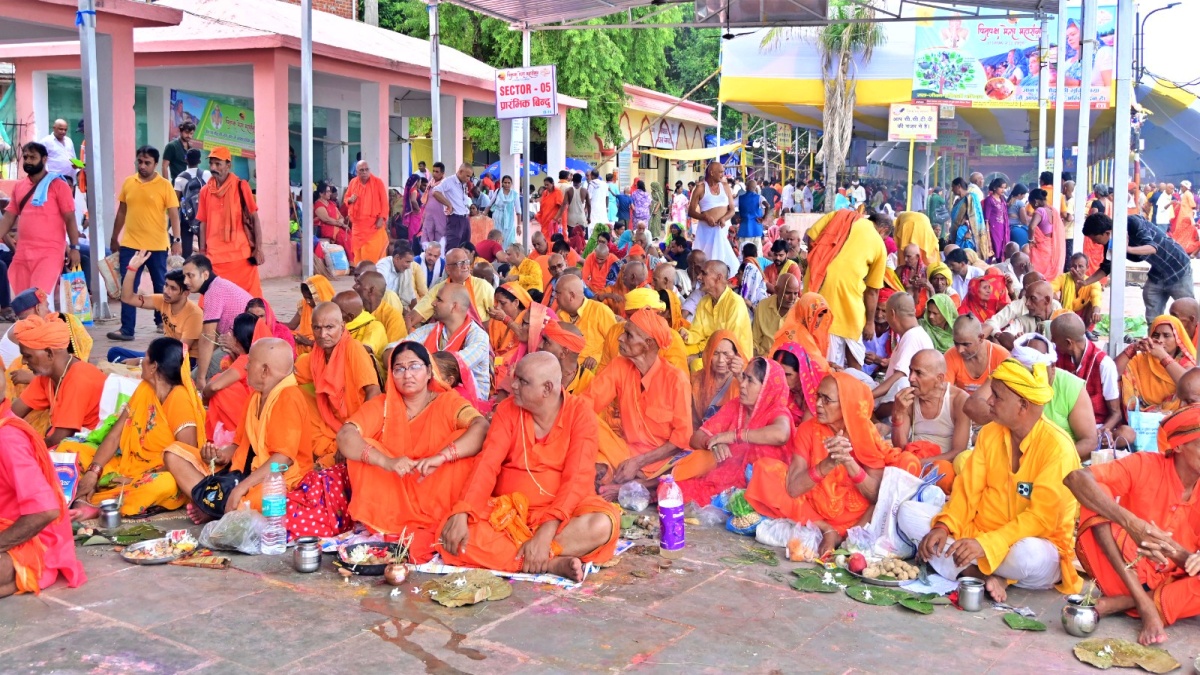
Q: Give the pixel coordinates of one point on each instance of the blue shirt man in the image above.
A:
(750, 208)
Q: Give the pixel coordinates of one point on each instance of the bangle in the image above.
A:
(94, 468)
(1130, 351)
(737, 436)
(860, 477)
(814, 474)
(453, 450)
(365, 458)
(1166, 361)
(131, 268)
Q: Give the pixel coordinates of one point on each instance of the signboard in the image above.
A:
(994, 63)
(813, 141)
(946, 111)
(907, 122)
(783, 137)
(664, 139)
(625, 167)
(217, 121)
(526, 92)
(517, 144)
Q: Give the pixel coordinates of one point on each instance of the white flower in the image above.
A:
(867, 594)
(828, 579)
(460, 582)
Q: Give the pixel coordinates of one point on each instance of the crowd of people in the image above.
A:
(491, 401)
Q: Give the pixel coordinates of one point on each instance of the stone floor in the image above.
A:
(699, 616)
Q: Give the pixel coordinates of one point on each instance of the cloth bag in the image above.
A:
(1145, 425)
(73, 296)
(319, 506)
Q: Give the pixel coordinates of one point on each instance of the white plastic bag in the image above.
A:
(804, 545)
(775, 532)
(633, 496)
(897, 487)
(239, 530)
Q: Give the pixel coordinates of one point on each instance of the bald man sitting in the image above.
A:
(928, 418)
(541, 451)
(1017, 318)
(902, 321)
(372, 287)
(770, 312)
(452, 330)
(361, 325)
(277, 430)
(342, 374)
(1187, 310)
(592, 318)
(721, 308)
(458, 271)
(1102, 384)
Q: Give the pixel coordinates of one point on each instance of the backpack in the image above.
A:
(189, 202)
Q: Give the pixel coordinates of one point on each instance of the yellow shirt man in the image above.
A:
(727, 312)
(482, 298)
(1074, 297)
(146, 204)
(529, 275)
(370, 332)
(767, 321)
(595, 320)
(392, 320)
(861, 264)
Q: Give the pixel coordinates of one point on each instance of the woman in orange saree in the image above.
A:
(716, 383)
(226, 393)
(409, 452)
(808, 325)
(1151, 367)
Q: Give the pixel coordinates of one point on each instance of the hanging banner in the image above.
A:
(218, 122)
(994, 63)
(526, 92)
(665, 138)
(907, 122)
(625, 168)
(783, 137)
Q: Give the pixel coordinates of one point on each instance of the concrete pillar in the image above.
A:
(452, 133)
(117, 126)
(508, 162)
(556, 143)
(376, 107)
(406, 167)
(397, 149)
(158, 104)
(271, 163)
(33, 105)
(337, 157)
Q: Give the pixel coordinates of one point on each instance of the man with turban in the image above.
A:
(646, 403)
(64, 382)
(1137, 528)
(564, 342)
(642, 298)
(1009, 518)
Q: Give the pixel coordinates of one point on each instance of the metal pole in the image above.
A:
(1060, 103)
(1087, 31)
(526, 160)
(1043, 90)
(908, 202)
(306, 137)
(1120, 236)
(99, 184)
(435, 83)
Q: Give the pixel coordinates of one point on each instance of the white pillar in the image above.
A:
(373, 128)
(337, 151)
(508, 161)
(41, 106)
(556, 143)
(1043, 91)
(406, 168)
(447, 147)
(435, 84)
(1060, 99)
(1087, 29)
(1120, 238)
(158, 105)
(116, 168)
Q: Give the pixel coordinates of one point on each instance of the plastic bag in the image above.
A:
(805, 543)
(744, 525)
(859, 540)
(240, 530)
(777, 532)
(708, 516)
(721, 501)
(73, 297)
(738, 505)
(633, 496)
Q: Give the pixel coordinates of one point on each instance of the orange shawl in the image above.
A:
(1147, 379)
(807, 325)
(27, 558)
(827, 245)
(595, 273)
(329, 378)
(705, 386)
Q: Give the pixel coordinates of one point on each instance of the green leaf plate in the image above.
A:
(1017, 622)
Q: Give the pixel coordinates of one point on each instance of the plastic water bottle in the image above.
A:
(274, 509)
(671, 537)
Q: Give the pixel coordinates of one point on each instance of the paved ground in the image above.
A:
(699, 616)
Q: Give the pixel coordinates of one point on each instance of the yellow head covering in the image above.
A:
(81, 342)
(941, 268)
(640, 298)
(1031, 386)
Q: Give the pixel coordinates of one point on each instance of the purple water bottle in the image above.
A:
(671, 535)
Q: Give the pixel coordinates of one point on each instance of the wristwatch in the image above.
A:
(73, 247)
(176, 240)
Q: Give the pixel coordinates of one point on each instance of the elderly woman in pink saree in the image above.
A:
(803, 376)
(755, 425)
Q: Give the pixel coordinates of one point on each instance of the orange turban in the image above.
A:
(653, 324)
(636, 249)
(555, 333)
(1181, 427)
(38, 333)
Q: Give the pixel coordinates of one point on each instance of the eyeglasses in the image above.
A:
(823, 399)
(460, 264)
(410, 368)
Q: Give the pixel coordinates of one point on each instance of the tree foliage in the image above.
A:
(592, 64)
(696, 55)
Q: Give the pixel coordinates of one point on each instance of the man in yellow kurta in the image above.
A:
(849, 282)
(1074, 296)
(458, 271)
(721, 308)
(524, 271)
(770, 312)
(361, 325)
(641, 298)
(372, 288)
(592, 318)
(1010, 518)
(368, 208)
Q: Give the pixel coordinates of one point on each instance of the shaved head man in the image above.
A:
(1080, 357)
(1028, 314)
(931, 410)
(458, 271)
(902, 321)
(350, 303)
(1187, 310)
(663, 278)
(453, 330)
(772, 311)
(372, 288)
(361, 324)
(720, 308)
(367, 208)
(1188, 389)
(594, 319)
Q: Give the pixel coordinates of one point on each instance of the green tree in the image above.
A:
(592, 64)
(696, 55)
(839, 45)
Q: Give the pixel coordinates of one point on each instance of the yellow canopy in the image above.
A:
(694, 154)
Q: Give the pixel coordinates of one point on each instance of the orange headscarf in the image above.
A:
(329, 378)
(1147, 379)
(654, 325)
(705, 385)
(807, 325)
(557, 334)
(321, 291)
(827, 244)
(869, 447)
(36, 332)
(1183, 426)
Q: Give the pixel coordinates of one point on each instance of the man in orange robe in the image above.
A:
(68, 387)
(549, 205)
(368, 208)
(278, 430)
(232, 245)
(406, 474)
(1140, 549)
(530, 504)
(639, 298)
(648, 405)
(340, 372)
(597, 265)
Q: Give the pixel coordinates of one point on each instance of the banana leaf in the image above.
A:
(1017, 622)
(1104, 653)
(872, 595)
(917, 605)
(814, 585)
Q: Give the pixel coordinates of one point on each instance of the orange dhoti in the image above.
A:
(241, 272)
(367, 204)
(369, 242)
(1176, 595)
